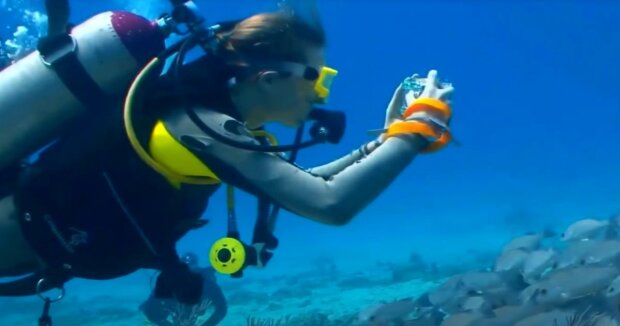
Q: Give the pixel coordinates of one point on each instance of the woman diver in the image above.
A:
(90, 207)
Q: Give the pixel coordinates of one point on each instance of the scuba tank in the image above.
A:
(68, 75)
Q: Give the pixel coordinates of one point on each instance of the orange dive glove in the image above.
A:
(427, 117)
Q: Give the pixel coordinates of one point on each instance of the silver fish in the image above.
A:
(501, 296)
(385, 313)
(586, 229)
(511, 260)
(551, 318)
(462, 319)
(477, 304)
(537, 263)
(574, 254)
(480, 281)
(613, 290)
(566, 285)
(449, 295)
(604, 252)
(509, 315)
(527, 242)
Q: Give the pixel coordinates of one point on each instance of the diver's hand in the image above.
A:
(392, 113)
(432, 89)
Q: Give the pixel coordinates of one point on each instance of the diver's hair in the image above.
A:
(278, 36)
(273, 36)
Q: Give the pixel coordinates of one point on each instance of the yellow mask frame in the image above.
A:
(322, 76)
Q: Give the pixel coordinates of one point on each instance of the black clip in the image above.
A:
(45, 319)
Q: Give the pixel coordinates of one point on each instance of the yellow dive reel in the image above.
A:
(228, 255)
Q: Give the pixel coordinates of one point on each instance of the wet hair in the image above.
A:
(273, 36)
(278, 36)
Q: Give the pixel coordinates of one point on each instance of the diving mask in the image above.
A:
(322, 76)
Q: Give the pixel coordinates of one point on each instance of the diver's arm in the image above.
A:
(334, 167)
(334, 200)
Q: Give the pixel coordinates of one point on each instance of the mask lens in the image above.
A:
(311, 74)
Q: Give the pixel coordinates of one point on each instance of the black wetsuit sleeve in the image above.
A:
(331, 199)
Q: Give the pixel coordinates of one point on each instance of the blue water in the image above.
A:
(536, 108)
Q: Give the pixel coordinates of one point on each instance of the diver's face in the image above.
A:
(291, 97)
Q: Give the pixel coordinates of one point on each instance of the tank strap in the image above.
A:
(60, 53)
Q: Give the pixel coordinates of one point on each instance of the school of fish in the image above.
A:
(538, 279)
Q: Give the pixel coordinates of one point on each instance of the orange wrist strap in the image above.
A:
(429, 104)
(421, 128)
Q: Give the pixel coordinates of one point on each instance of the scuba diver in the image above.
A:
(163, 312)
(114, 191)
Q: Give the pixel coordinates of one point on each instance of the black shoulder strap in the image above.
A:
(60, 53)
